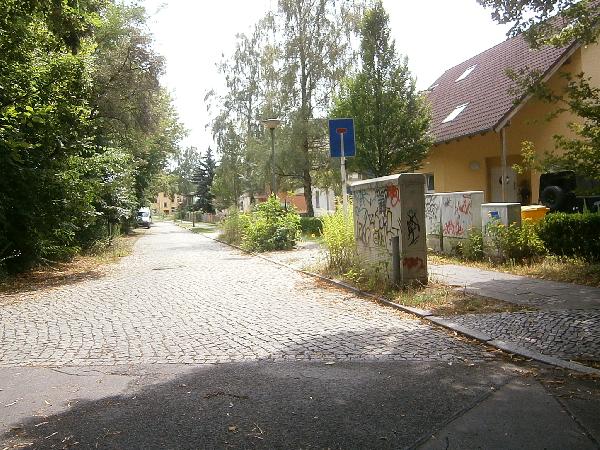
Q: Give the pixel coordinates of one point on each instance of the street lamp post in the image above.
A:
(271, 124)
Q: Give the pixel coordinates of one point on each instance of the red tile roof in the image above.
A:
(487, 89)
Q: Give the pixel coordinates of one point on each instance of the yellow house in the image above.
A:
(167, 204)
(478, 125)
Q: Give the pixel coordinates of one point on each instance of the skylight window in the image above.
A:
(454, 114)
(466, 73)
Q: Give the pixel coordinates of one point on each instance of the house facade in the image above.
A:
(167, 204)
(479, 127)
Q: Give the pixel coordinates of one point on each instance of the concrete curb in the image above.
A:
(441, 321)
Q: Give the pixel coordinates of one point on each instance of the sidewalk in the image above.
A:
(562, 329)
(566, 324)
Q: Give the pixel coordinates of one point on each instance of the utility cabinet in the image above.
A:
(389, 226)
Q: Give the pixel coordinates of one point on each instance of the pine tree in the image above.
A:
(203, 179)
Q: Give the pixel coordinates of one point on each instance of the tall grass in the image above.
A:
(338, 238)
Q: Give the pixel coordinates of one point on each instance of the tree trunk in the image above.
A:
(307, 182)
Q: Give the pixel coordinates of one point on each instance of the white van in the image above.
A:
(144, 217)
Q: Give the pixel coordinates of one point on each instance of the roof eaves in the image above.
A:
(468, 135)
(506, 118)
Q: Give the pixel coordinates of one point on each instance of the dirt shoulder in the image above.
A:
(83, 267)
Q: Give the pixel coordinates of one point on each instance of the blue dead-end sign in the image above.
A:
(341, 130)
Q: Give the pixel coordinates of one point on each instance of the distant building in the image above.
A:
(166, 204)
(323, 200)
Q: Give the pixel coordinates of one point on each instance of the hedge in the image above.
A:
(572, 234)
(311, 225)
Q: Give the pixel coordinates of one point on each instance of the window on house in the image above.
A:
(317, 199)
(164, 204)
(454, 114)
(466, 73)
(429, 183)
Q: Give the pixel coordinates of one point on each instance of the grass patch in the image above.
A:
(203, 229)
(440, 299)
(556, 268)
(118, 248)
(589, 362)
(445, 300)
(310, 237)
(94, 264)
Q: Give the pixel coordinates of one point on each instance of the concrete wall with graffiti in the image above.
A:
(387, 208)
(450, 216)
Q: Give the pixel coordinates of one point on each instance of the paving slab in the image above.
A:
(512, 417)
(543, 294)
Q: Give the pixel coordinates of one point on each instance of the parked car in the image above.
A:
(144, 217)
(567, 192)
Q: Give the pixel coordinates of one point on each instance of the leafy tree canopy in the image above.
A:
(391, 118)
(548, 22)
(84, 125)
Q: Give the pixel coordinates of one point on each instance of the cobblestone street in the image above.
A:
(183, 298)
(564, 322)
(573, 334)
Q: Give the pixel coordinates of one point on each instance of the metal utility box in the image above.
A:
(504, 213)
(389, 226)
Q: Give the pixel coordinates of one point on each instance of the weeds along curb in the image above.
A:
(479, 336)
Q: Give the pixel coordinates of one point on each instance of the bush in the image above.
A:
(516, 243)
(572, 234)
(338, 237)
(311, 226)
(271, 227)
(232, 226)
(473, 248)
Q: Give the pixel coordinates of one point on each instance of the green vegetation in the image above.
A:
(391, 118)
(84, 126)
(561, 247)
(338, 238)
(291, 66)
(203, 177)
(576, 235)
(558, 234)
(268, 227)
(311, 226)
(473, 248)
(233, 226)
(580, 20)
(516, 243)
(271, 227)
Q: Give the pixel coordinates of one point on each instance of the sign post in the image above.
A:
(342, 145)
(341, 132)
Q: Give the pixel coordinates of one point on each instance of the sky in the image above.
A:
(194, 34)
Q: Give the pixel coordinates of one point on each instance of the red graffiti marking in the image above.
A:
(393, 194)
(413, 262)
(464, 206)
(453, 228)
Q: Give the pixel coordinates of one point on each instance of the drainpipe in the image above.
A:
(504, 172)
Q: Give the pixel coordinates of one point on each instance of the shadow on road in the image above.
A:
(272, 405)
